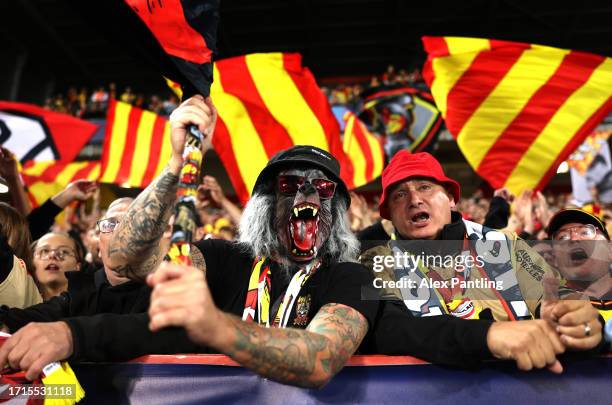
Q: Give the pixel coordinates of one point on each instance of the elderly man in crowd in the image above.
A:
(80, 323)
(505, 275)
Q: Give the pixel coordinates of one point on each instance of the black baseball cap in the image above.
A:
(569, 215)
(306, 155)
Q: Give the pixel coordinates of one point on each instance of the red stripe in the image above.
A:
(236, 79)
(526, 127)
(51, 173)
(84, 172)
(435, 46)
(360, 136)
(486, 71)
(222, 360)
(157, 141)
(319, 105)
(130, 144)
(108, 134)
(314, 97)
(223, 146)
(577, 139)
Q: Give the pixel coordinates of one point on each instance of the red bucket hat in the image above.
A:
(405, 165)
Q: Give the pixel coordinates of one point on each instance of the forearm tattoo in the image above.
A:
(134, 247)
(307, 358)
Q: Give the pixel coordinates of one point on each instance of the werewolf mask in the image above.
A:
(303, 214)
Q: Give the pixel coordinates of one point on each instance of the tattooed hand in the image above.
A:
(181, 297)
(196, 111)
(307, 358)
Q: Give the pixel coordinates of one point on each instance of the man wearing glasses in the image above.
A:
(77, 323)
(582, 253)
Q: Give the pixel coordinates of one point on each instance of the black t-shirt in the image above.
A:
(229, 266)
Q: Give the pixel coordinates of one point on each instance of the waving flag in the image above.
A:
(517, 110)
(33, 133)
(407, 118)
(267, 103)
(136, 146)
(186, 30)
(364, 149)
(47, 178)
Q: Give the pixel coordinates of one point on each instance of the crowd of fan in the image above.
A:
(94, 104)
(350, 95)
(527, 215)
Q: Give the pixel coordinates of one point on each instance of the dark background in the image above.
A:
(48, 46)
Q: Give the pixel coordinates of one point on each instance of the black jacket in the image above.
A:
(108, 323)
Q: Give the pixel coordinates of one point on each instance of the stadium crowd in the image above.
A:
(62, 282)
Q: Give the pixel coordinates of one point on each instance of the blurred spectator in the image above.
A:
(127, 96)
(16, 231)
(54, 255)
(17, 287)
(9, 170)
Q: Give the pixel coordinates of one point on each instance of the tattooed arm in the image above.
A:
(307, 358)
(133, 250)
(134, 247)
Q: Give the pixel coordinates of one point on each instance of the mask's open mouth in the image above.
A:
(303, 228)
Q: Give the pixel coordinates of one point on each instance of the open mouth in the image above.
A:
(420, 218)
(52, 267)
(303, 228)
(578, 256)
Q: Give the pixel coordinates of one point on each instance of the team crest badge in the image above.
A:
(303, 307)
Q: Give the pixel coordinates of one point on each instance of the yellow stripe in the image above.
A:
(530, 72)
(142, 148)
(460, 45)
(559, 131)
(448, 69)
(165, 154)
(65, 176)
(117, 144)
(284, 101)
(248, 149)
(38, 168)
(353, 150)
(42, 191)
(377, 154)
(94, 174)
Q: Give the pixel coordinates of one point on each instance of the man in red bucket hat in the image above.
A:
(420, 176)
(483, 275)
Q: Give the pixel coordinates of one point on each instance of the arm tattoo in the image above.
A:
(306, 358)
(134, 248)
(197, 258)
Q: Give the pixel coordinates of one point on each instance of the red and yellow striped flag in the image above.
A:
(363, 148)
(267, 103)
(47, 178)
(517, 110)
(136, 146)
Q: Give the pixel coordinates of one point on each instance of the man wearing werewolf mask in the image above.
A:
(285, 300)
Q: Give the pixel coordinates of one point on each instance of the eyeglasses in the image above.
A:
(586, 231)
(289, 185)
(60, 253)
(107, 225)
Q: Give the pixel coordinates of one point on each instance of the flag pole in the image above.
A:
(185, 213)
